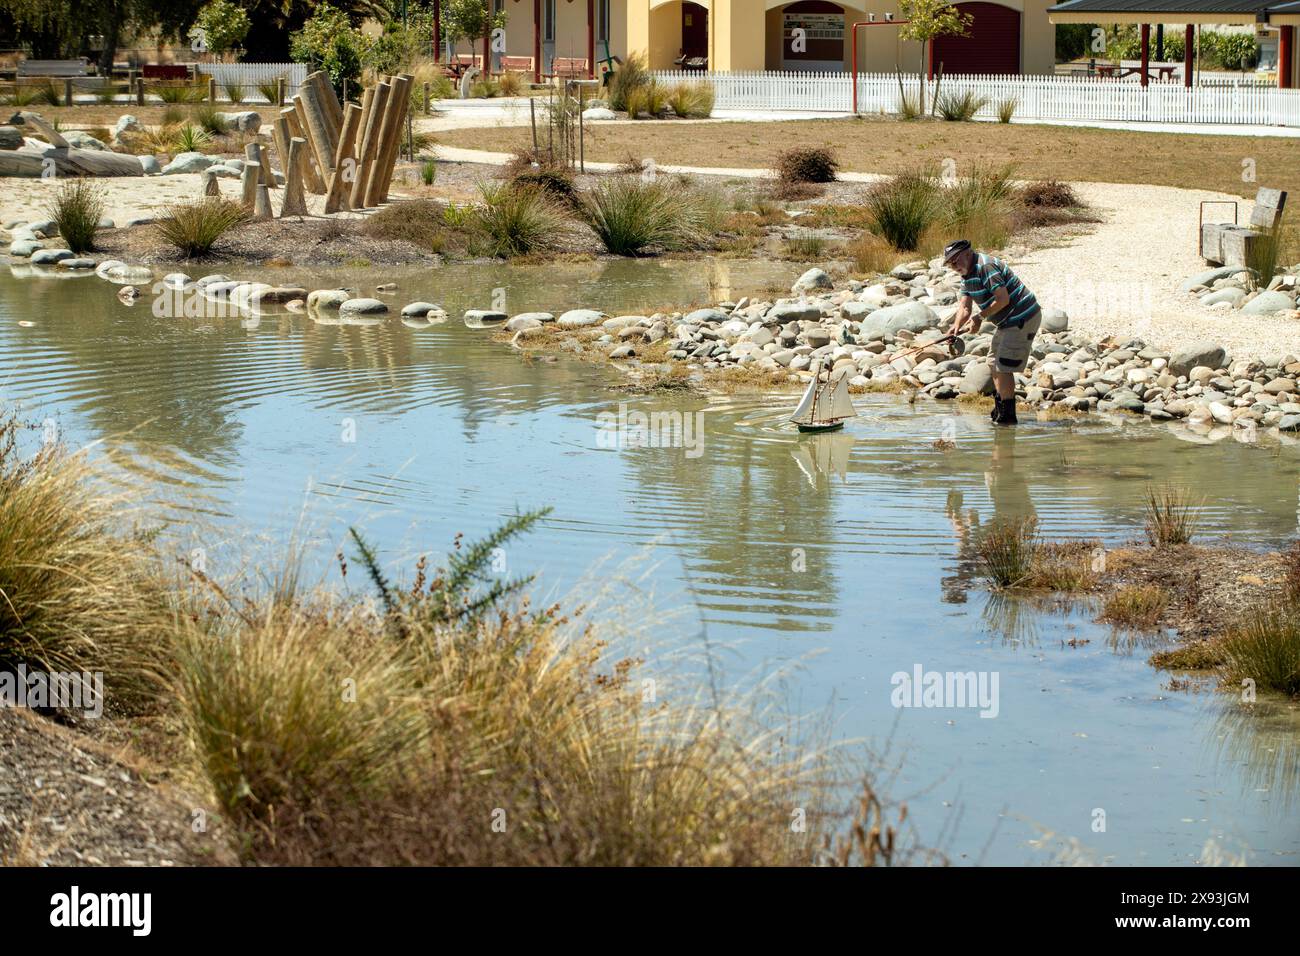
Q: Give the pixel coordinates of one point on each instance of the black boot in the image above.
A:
(1007, 414)
(996, 415)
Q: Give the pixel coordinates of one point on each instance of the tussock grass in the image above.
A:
(77, 209)
(692, 100)
(1061, 566)
(632, 75)
(421, 222)
(205, 117)
(510, 84)
(903, 208)
(1196, 656)
(269, 90)
(1172, 516)
(1007, 549)
(516, 222)
(630, 216)
(1265, 647)
(412, 733)
(959, 107)
(180, 93)
(1006, 109)
(75, 594)
(194, 228)
(191, 139)
(1136, 606)
(871, 254)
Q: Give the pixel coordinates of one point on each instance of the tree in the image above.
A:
(329, 42)
(221, 27)
(55, 29)
(927, 19)
(468, 20)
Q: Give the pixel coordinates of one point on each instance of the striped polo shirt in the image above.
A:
(987, 275)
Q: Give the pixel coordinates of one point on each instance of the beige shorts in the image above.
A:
(1010, 348)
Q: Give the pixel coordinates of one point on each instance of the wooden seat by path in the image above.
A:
(517, 64)
(165, 71)
(61, 68)
(568, 67)
(1230, 244)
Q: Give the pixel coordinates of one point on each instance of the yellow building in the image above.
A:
(566, 36)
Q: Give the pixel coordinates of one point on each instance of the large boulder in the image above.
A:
(811, 281)
(363, 307)
(1054, 320)
(581, 318)
(126, 123)
(1184, 359)
(599, 113)
(50, 257)
(245, 121)
(327, 298)
(10, 137)
(794, 312)
(188, 163)
(81, 140)
(977, 379)
(150, 165)
(1230, 294)
(912, 316)
(1266, 303)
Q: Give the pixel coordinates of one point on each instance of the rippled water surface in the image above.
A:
(845, 557)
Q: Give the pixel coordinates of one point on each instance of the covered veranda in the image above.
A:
(1192, 14)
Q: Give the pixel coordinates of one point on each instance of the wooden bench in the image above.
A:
(165, 71)
(517, 64)
(568, 67)
(59, 68)
(1230, 244)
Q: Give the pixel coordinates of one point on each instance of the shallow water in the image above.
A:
(846, 557)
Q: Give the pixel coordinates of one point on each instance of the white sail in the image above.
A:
(840, 405)
(803, 415)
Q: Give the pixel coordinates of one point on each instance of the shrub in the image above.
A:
(909, 106)
(420, 222)
(1007, 109)
(632, 74)
(428, 172)
(637, 101)
(1136, 606)
(1171, 516)
(656, 98)
(806, 245)
(180, 93)
(193, 229)
(77, 210)
(172, 115)
(871, 254)
(978, 206)
(550, 178)
(234, 92)
(191, 139)
(960, 107)
(806, 164)
(484, 89)
(516, 222)
(510, 84)
(904, 207)
(1049, 194)
(629, 216)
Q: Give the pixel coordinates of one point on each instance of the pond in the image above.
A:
(845, 558)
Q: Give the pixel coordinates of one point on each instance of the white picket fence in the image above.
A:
(1037, 97)
(250, 75)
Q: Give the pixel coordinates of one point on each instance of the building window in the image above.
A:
(548, 22)
(602, 28)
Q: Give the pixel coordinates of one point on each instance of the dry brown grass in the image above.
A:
(1136, 606)
(1072, 154)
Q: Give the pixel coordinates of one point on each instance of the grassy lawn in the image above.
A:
(1075, 154)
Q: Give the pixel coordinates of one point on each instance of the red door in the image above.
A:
(695, 30)
(991, 43)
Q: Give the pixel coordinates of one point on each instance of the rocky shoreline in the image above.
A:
(885, 335)
(861, 329)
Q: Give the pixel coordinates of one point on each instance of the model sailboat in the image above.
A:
(826, 405)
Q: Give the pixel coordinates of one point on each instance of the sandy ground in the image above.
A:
(1120, 278)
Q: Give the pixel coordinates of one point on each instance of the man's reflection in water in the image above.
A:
(1008, 490)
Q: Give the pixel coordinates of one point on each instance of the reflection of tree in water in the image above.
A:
(1264, 737)
(748, 509)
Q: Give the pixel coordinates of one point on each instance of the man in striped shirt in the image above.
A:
(1002, 298)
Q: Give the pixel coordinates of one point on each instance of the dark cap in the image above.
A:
(954, 248)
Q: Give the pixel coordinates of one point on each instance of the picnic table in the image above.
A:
(1119, 71)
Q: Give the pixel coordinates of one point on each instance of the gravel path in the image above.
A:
(1123, 277)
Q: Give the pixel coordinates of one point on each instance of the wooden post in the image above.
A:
(345, 164)
(67, 92)
(281, 136)
(1285, 57)
(300, 128)
(248, 180)
(1189, 48)
(139, 91)
(426, 99)
(295, 203)
(329, 101)
(293, 128)
(537, 41)
(399, 103)
(256, 153)
(280, 84)
(591, 39)
(367, 147)
(262, 203)
(1146, 53)
(312, 113)
(212, 89)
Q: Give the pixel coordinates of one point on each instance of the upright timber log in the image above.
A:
(367, 148)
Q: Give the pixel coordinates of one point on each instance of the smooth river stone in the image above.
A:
(354, 307)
